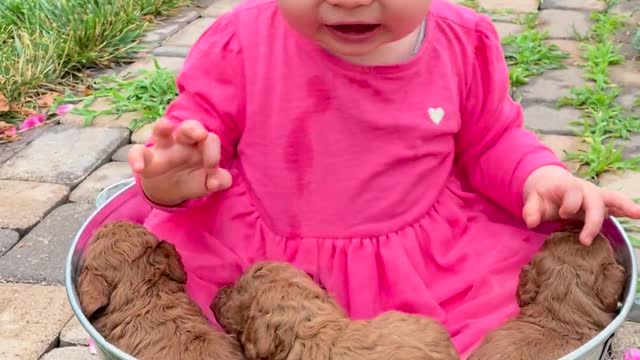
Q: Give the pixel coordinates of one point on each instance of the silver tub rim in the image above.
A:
(102, 201)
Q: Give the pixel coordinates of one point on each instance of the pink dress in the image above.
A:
(396, 187)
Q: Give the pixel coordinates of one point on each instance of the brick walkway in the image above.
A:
(53, 176)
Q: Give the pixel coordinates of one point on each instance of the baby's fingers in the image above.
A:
(571, 204)
(210, 149)
(191, 132)
(594, 214)
(162, 134)
(218, 180)
(621, 205)
(139, 157)
(533, 210)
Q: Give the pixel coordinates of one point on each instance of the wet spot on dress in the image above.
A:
(364, 84)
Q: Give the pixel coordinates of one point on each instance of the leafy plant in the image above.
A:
(45, 44)
(149, 94)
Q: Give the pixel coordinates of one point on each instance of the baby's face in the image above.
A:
(354, 27)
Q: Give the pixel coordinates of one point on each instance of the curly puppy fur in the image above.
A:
(132, 289)
(279, 312)
(568, 293)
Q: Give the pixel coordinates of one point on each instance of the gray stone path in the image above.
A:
(49, 180)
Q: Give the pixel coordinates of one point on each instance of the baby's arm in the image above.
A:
(494, 152)
(183, 162)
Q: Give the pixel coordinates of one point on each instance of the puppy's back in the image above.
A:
(522, 340)
(395, 335)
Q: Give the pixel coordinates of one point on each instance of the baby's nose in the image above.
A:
(350, 4)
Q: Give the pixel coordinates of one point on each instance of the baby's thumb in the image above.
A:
(532, 211)
(218, 179)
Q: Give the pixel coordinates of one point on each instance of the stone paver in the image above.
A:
(565, 24)
(628, 336)
(31, 317)
(108, 174)
(7, 239)
(122, 153)
(589, 5)
(64, 155)
(73, 334)
(171, 51)
(141, 135)
(506, 29)
(571, 47)
(101, 104)
(9, 149)
(40, 256)
(628, 8)
(560, 144)
(521, 6)
(173, 64)
(552, 85)
(549, 120)
(25, 203)
(627, 182)
(70, 353)
(169, 27)
(627, 74)
(190, 33)
(218, 8)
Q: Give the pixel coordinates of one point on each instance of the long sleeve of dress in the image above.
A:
(211, 90)
(494, 152)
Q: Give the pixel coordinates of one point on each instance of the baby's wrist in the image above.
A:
(166, 200)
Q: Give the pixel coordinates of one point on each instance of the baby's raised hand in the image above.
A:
(182, 164)
(553, 193)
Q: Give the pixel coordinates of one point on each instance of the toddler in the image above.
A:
(371, 143)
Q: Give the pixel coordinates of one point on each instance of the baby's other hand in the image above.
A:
(182, 164)
(552, 193)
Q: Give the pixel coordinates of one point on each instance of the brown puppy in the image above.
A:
(279, 313)
(132, 289)
(567, 294)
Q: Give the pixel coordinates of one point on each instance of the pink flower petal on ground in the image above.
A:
(10, 131)
(33, 121)
(92, 347)
(632, 354)
(63, 109)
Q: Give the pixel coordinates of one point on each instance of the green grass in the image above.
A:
(528, 54)
(604, 124)
(149, 93)
(45, 44)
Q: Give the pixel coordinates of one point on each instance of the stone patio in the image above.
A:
(53, 176)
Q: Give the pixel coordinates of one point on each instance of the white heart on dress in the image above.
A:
(436, 115)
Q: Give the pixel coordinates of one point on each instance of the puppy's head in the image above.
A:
(272, 306)
(233, 302)
(586, 278)
(124, 255)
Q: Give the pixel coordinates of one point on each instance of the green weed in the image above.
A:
(45, 43)
(149, 94)
(528, 55)
(604, 122)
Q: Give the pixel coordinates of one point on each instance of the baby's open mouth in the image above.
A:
(354, 29)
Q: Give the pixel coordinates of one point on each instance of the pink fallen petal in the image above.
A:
(63, 109)
(33, 121)
(92, 347)
(632, 354)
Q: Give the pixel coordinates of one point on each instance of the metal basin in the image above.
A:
(122, 202)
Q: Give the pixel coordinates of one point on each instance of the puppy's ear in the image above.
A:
(94, 292)
(166, 256)
(609, 285)
(258, 340)
(527, 286)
